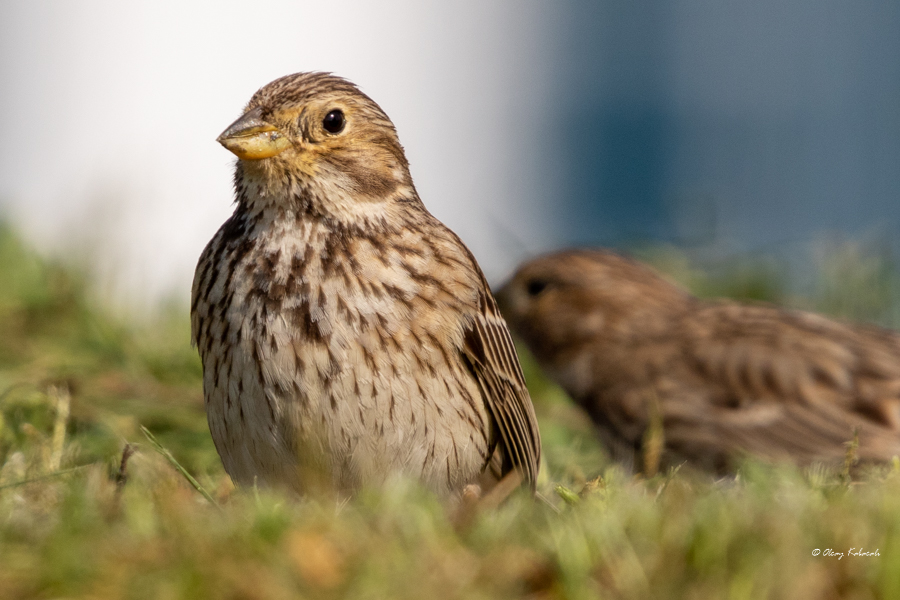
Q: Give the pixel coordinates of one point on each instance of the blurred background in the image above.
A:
(748, 149)
(725, 129)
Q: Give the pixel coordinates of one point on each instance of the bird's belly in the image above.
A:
(304, 411)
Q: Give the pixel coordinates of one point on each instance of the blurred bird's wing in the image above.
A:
(794, 382)
(489, 353)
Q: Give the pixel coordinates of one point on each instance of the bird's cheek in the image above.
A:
(307, 163)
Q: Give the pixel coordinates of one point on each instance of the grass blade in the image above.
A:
(168, 456)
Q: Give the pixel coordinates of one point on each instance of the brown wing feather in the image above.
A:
(781, 383)
(491, 356)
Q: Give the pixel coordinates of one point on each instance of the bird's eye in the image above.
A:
(334, 121)
(536, 286)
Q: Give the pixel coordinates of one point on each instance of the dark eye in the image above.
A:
(535, 287)
(334, 121)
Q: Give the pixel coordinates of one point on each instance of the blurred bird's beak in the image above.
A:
(251, 138)
(502, 296)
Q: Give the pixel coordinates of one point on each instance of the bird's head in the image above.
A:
(315, 138)
(561, 301)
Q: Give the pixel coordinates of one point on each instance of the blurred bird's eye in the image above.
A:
(535, 287)
(333, 121)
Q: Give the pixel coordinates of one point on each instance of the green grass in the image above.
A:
(603, 534)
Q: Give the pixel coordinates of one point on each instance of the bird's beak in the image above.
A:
(502, 296)
(251, 138)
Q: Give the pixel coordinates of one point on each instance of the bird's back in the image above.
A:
(785, 385)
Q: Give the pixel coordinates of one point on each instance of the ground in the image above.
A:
(77, 384)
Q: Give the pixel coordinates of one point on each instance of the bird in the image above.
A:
(725, 380)
(347, 336)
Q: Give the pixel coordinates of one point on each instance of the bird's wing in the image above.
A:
(489, 353)
(795, 381)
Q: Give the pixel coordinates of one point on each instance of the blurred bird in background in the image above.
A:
(712, 381)
(347, 335)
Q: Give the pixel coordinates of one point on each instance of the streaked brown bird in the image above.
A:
(347, 336)
(724, 379)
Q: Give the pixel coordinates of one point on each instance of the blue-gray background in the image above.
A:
(762, 122)
(530, 125)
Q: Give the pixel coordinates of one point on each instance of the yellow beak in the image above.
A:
(251, 138)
